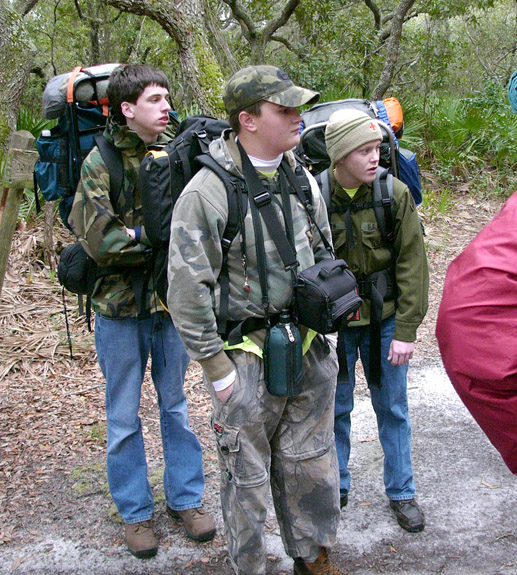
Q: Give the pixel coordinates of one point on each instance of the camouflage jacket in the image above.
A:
(195, 258)
(101, 227)
(370, 254)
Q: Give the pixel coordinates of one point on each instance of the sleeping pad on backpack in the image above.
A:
(477, 330)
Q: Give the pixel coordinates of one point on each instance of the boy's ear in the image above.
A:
(247, 121)
(127, 110)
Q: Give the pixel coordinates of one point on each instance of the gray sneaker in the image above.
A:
(197, 523)
(141, 540)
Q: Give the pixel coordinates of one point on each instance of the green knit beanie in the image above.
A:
(347, 130)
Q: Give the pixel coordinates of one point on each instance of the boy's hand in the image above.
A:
(400, 352)
(224, 394)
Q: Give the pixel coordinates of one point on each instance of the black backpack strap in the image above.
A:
(36, 195)
(113, 159)
(323, 179)
(263, 201)
(237, 208)
(305, 198)
(384, 209)
(383, 204)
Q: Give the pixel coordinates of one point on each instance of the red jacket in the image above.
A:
(477, 330)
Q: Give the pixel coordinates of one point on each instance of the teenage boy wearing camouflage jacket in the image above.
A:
(353, 143)
(260, 437)
(127, 329)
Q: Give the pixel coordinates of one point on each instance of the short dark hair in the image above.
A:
(128, 82)
(254, 109)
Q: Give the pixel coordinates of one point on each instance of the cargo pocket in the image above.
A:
(375, 252)
(238, 463)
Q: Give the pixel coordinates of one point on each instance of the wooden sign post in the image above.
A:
(19, 168)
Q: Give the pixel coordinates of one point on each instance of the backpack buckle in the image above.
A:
(386, 202)
(262, 199)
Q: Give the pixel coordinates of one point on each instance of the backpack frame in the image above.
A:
(78, 99)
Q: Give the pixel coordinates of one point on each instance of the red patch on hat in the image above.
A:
(373, 127)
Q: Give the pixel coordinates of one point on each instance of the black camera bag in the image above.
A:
(325, 294)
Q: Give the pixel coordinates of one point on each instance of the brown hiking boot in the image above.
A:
(197, 523)
(141, 540)
(322, 566)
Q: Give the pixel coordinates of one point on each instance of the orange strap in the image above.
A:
(71, 82)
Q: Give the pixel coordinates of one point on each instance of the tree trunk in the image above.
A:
(218, 42)
(392, 52)
(16, 56)
(183, 21)
(259, 38)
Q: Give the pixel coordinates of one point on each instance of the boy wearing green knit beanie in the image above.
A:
(393, 281)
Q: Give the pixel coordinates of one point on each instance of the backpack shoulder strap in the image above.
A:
(237, 208)
(323, 179)
(113, 160)
(232, 184)
(383, 205)
(305, 196)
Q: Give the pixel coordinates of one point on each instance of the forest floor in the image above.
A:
(56, 515)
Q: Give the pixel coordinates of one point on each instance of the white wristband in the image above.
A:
(221, 384)
(332, 339)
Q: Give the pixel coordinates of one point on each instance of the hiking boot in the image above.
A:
(409, 515)
(197, 523)
(322, 566)
(140, 539)
(343, 501)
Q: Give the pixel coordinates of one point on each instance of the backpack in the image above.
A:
(78, 100)
(399, 161)
(164, 173)
(390, 111)
(76, 270)
(512, 91)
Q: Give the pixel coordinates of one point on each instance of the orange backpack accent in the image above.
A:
(395, 115)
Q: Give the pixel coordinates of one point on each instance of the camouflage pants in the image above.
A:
(289, 440)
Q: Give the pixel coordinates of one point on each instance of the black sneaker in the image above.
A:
(409, 515)
(343, 501)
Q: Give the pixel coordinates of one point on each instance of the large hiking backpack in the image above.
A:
(78, 100)
(400, 162)
(165, 172)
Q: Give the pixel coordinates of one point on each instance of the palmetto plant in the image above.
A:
(466, 140)
(33, 123)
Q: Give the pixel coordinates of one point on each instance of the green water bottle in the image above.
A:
(283, 358)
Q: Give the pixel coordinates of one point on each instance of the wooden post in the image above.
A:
(19, 167)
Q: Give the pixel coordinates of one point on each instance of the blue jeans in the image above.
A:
(123, 347)
(391, 409)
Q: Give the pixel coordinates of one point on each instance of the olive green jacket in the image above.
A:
(371, 254)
